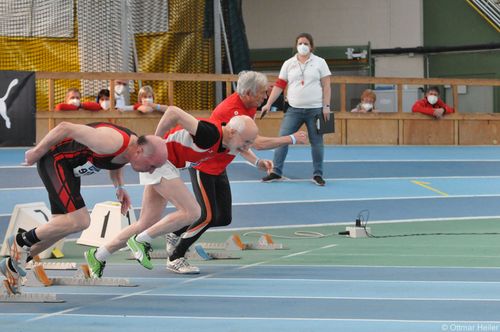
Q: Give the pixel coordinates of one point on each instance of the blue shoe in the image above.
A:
(11, 282)
(18, 254)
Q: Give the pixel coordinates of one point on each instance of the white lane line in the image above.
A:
(423, 321)
(53, 314)
(282, 257)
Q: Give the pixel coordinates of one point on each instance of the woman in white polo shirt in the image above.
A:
(307, 79)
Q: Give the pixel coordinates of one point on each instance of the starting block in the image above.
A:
(234, 242)
(30, 298)
(50, 265)
(106, 221)
(54, 265)
(198, 253)
(27, 217)
(37, 277)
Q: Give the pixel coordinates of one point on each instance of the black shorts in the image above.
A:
(62, 185)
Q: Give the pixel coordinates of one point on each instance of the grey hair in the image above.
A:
(237, 123)
(250, 81)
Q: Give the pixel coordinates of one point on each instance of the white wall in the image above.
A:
(383, 23)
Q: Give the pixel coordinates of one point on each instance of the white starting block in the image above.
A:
(37, 277)
(234, 242)
(54, 265)
(27, 217)
(29, 298)
(106, 221)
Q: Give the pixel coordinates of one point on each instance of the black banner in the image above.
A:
(17, 108)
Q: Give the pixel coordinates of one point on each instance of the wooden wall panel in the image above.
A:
(428, 132)
(473, 132)
(371, 131)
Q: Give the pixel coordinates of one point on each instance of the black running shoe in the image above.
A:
(272, 177)
(318, 180)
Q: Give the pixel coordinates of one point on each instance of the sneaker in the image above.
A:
(172, 241)
(17, 253)
(11, 282)
(96, 267)
(272, 177)
(318, 180)
(141, 252)
(181, 266)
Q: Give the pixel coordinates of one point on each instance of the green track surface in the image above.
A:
(451, 243)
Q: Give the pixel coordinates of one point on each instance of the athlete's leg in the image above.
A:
(153, 205)
(187, 209)
(214, 195)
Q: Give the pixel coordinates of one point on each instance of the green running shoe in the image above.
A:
(141, 252)
(96, 267)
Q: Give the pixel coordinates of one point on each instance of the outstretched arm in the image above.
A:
(266, 143)
(102, 140)
(174, 116)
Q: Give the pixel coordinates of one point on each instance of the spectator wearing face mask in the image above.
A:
(72, 102)
(122, 96)
(367, 104)
(306, 78)
(432, 105)
(103, 99)
(145, 101)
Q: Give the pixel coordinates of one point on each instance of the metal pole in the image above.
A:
(217, 50)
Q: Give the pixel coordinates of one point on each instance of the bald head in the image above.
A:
(151, 154)
(241, 133)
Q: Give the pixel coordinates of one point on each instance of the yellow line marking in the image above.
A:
(426, 186)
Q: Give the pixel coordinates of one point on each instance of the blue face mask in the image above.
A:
(303, 49)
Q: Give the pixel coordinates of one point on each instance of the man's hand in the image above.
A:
(300, 137)
(439, 112)
(31, 156)
(265, 165)
(124, 198)
(264, 110)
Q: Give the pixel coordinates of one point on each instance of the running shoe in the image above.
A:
(11, 282)
(172, 241)
(272, 177)
(96, 267)
(181, 266)
(318, 180)
(18, 253)
(141, 252)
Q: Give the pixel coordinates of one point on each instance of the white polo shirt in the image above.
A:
(304, 81)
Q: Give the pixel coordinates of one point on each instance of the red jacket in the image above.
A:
(423, 106)
(86, 105)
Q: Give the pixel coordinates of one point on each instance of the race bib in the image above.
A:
(86, 169)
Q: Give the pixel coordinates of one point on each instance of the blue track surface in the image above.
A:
(394, 183)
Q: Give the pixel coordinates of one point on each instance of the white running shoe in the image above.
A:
(181, 266)
(172, 241)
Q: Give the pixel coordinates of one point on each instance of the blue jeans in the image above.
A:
(292, 120)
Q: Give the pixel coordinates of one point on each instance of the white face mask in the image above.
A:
(75, 102)
(105, 104)
(147, 100)
(119, 89)
(367, 106)
(303, 49)
(432, 99)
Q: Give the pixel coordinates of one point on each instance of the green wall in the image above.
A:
(456, 23)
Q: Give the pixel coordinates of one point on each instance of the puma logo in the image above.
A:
(3, 104)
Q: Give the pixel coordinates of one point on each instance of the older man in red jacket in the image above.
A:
(432, 105)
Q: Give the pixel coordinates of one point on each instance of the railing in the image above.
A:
(379, 128)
